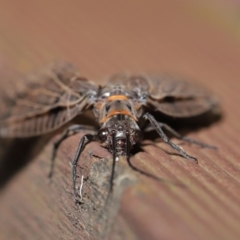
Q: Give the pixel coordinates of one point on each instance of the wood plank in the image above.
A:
(186, 201)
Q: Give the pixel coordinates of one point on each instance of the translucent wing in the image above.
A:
(130, 83)
(167, 94)
(178, 98)
(57, 95)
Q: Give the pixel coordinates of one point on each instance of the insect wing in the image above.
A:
(178, 98)
(130, 83)
(57, 95)
(165, 93)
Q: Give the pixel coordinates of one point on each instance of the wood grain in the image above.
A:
(178, 199)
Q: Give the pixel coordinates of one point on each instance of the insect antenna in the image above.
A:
(114, 158)
(127, 145)
(128, 157)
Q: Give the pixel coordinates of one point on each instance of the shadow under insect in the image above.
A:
(17, 153)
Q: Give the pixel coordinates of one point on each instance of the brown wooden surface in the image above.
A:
(188, 201)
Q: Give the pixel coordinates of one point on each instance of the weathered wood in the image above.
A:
(175, 199)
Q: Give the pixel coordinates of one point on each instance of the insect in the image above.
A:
(121, 108)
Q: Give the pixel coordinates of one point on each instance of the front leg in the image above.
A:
(84, 140)
(68, 132)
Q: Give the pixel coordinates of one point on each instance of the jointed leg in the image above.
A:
(73, 130)
(84, 140)
(186, 139)
(159, 130)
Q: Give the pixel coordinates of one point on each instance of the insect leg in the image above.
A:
(159, 130)
(84, 140)
(74, 129)
(80, 189)
(186, 139)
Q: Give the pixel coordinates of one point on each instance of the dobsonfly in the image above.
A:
(120, 107)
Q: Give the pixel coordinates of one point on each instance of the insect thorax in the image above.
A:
(117, 101)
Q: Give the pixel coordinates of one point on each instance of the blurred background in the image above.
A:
(180, 36)
(199, 39)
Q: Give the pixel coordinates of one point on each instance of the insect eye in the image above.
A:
(137, 137)
(102, 134)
